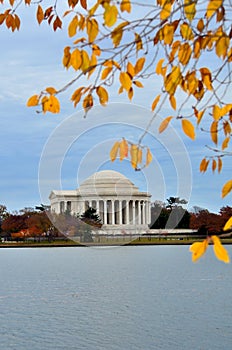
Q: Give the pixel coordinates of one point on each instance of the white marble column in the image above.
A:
(112, 213)
(105, 212)
(127, 213)
(139, 213)
(144, 212)
(133, 212)
(120, 212)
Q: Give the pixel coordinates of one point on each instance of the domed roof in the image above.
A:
(107, 182)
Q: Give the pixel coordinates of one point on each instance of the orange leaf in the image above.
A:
(148, 157)
(134, 156)
(125, 80)
(33, 101)
(213, 6)
(139, 65)
(123, 149)
(188, 128)
(198, 249)
(214, 132)
(164, 124)
(125, 6)
(226, 189)
(103, 95)
(228, 224)
(155, 102)
(220, 252)
(219, 164)
(172, 101)
(39, 14)
(72, 28)
(114, 151)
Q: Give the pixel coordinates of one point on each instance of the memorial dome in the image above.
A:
(107, 181)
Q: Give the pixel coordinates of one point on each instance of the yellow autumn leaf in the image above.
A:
(164, 124)
(106, 72)
(103, 95)
(123, 152)
(189, 9)
(213, 6)
(188, 128)
(216, 112)
(222, 46)
(50, 104)
(214, 165)
(125, 6)
(130, 93)
(110, 15)
(159, 65)
(200, 25)
(92, 29)
(51, 90)
(155, 102)
(199, 116)
(88, 102)
(198, 249)
(138, 42)
(148, 157)
(206, 78)
(228, 224)
(184, 54)
(85, 61)
(219, 164)
(76, 96)
(66, 57)
(140, 156)
(226, 189)
(214, 131)
(226, 127)
(220, 252)
(76, 59)
(130, 69)
(139, 65)
(166, 10)
(204, 165)
(114, 151)
(125, 80)
(186, 31)
(134, 156)
(225, 142)
(168, 32)
(33, 101)
(172, 101)
(72, 27)
(138, 83)
(116, 36)
(172, 80)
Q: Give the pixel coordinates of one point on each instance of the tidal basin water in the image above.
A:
(118, 298)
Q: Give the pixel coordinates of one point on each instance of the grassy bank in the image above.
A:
(107, 242)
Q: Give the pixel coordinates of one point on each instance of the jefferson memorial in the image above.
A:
(123, 209)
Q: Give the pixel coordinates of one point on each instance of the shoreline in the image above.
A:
(85, 245)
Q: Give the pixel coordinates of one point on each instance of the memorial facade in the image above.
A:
(123, 209)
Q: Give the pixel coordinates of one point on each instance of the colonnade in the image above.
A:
(122, 212)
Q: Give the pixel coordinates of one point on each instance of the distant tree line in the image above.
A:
(39, 223)
(172, 214)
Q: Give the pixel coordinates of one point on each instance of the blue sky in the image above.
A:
(44, 152)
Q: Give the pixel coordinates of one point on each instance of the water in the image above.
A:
(127, 298)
